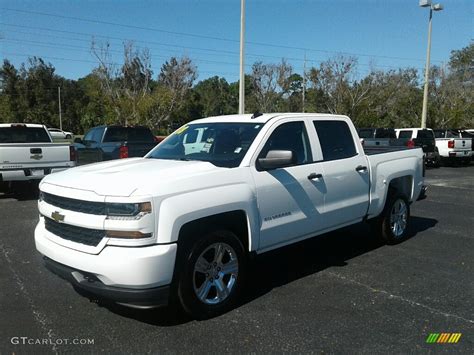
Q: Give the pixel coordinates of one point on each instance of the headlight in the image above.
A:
(127, 210)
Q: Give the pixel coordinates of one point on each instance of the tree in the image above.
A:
(126, 87)
(451, 101)
(177, 77)
(393, 99)
(10, 100)
(336, 80)
(270, 83)
(214, 97)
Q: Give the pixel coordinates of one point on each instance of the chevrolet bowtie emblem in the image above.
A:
(58, 217)
(36, 157)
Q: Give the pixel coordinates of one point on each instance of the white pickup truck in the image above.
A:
(181, 223)
(27, 153)
(453, 146)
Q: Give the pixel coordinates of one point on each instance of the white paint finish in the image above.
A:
(16, 157)
(281, 206)
(461, 149)
(116, 266)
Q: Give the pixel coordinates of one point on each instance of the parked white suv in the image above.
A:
(182, 222)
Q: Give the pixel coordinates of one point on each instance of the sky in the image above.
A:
(382, 34)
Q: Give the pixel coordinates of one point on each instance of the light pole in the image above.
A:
(242, 72)
(433, 7)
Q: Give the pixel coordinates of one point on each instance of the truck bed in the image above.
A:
(383, 149)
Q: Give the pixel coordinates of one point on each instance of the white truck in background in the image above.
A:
(27, 153)
(182, 222)
(452, 146)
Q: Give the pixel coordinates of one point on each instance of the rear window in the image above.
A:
(336, 139)
(22, 134)
(385, 133)
(365, 133)
(129, 134)
(465, 134)
(439, 134)
(425, 133)
(405, 134)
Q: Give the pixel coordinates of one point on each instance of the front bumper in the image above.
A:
(117, 272)
(143, 298)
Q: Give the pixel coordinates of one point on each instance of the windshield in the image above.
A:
(222, 144)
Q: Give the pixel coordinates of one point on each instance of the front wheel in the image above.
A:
(212, 277)
(392, 225)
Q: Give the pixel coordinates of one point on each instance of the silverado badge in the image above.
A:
(58, 217)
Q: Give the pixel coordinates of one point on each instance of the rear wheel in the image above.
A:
(213, 274)
(392, 225)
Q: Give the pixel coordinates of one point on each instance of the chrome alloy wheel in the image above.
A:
(215, 273)
(398, 217)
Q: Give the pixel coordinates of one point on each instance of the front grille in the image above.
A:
(80, 235)
(97, 208)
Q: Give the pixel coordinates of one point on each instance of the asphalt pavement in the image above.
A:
(338, 293)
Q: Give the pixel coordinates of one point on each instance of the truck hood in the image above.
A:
(125, 177)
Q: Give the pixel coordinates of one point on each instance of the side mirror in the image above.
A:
(78, 140)
(277, 159)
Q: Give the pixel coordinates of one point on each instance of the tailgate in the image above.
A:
(462, 144)
(20, 155)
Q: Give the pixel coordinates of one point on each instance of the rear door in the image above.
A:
(346, 177)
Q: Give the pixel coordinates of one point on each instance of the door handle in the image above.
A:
(314, 176)
(361, 168)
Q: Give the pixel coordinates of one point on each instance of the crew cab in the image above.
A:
(27, 153)
(113, 142)
(454, 145)
(423, 138)
(182, 223)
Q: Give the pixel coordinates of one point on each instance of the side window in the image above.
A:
(405, 134)
(97, 136)
(89, 135)
(191, 136)
(290, 136)
(336, 139)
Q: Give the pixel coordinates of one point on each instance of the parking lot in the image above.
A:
(339, 293)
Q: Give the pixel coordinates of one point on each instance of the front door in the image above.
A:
(290, 199)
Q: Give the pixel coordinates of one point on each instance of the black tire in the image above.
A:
(384, 228)
(68, 136)
(191, 280)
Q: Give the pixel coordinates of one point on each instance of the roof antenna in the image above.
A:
(256, 114)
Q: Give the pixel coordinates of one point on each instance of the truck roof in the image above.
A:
(28, 125)
(262, 118)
